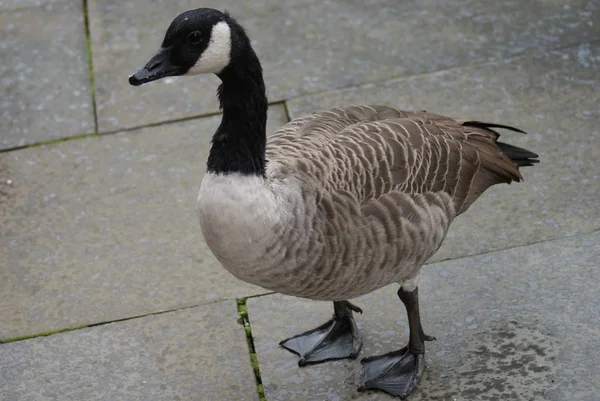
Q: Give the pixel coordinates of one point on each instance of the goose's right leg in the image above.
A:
(398, 372)
(338, 338)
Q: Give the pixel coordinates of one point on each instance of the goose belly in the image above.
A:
(313, 272)
(321, 268)
(307, 262)
(278, 237)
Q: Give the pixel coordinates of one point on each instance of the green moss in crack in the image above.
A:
(42, 334)
(88, 43)
(243, 312)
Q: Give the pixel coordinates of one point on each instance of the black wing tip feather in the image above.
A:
(521, 157)
(481, 124)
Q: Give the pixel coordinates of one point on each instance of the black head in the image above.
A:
(197, 42)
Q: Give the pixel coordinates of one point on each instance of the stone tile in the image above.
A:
(516, 324)
(555, 97)
(194, 354)
(105, 228)
(309, 46)
(45, 77)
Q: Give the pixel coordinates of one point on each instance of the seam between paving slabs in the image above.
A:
(124, 319)
(88, 46)
(49, 333)
(245, 321)
(286, 110)
(42, 334)
(592, 231)
(127, 129)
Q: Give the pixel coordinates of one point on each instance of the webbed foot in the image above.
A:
(337, 339)
(397, 373)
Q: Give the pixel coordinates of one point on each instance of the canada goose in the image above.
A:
(335, 204)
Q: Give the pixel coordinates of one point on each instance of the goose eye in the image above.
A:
(195, 37)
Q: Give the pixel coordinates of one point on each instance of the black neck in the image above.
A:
(239, 144)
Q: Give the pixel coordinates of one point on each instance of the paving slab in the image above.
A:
(555, 96)
(516, 324)
(105, 228)
(199, 353)
(45, 77)
(310, 46)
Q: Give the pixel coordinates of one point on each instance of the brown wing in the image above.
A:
(370, 151)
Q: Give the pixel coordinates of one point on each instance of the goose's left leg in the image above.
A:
(398, 372)
(336, 339)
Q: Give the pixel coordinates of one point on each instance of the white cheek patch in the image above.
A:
(217, 55)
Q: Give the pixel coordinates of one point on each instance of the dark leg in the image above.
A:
(336, 339)
(398, 372)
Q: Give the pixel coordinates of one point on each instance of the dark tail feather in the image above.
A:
(522, 157)
(481, 124)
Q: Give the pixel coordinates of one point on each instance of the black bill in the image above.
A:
(158, 67)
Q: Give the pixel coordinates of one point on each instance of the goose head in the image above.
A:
(197, 42)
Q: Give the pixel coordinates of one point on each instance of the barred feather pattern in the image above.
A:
(354, 199)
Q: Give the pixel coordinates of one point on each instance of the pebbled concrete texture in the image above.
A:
(45, 77)
(105, 228)
(172, 356)
(350, 43)
(555, 96)
(515, 324)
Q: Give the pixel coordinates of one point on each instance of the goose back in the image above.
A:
(373, 150)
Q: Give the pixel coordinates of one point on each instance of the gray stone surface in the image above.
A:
(12, 5)
(45, 79)
(554, 96)
(194, 354)
(310, 46)
(105, 228)
(517, 324)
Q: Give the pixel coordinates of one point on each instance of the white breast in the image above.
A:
(242, 217)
